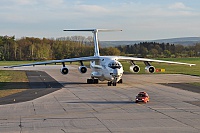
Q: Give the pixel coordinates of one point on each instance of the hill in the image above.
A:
(183, 41)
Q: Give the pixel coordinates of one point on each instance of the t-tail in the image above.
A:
(94, 31)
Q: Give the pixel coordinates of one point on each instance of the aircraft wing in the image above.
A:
(151, 60)
(89, 58)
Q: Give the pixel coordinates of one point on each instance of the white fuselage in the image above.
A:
(107, 68)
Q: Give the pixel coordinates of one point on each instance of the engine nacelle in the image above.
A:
(64, 70)
(150, 69)
(134, 68)
(82, 69)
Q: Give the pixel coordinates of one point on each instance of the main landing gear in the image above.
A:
(92, 81)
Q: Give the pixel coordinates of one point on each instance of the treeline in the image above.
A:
(161, 50)
(29, 48)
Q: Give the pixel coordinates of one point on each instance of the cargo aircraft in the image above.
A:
(104, 68)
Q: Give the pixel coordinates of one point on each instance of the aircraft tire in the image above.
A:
(96, 81)
(120, 81)
(92, 81)
(109, 83)
(114, 83)
(89, 81)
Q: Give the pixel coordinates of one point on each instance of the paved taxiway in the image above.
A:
(80, 107)
(40, 84)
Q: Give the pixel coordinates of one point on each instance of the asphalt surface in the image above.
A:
(82, 108)
(40, 84)
(187, 87)
(184, 86)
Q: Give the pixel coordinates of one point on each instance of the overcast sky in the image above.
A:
(139, 19)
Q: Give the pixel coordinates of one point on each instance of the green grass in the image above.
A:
(173, 68)
(13, 76)
(169, 69)
(9, 63)
(195, 83)
(12, 82)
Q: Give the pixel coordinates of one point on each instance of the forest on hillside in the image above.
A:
(160, 50)
(30, 48)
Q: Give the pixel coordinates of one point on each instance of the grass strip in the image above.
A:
(12, 82)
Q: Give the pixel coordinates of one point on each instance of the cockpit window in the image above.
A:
(114, 65)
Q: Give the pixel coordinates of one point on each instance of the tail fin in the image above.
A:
(94, 31)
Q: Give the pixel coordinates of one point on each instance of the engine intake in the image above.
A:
(82, 69)
(134, 68)
(64, 70)
(150, 69)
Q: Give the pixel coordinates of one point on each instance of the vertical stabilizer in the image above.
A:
(94, 31)
(96, 45)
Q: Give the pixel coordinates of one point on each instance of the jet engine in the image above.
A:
(64, 70)
(82, 69)
(150, 69)
(134, 68)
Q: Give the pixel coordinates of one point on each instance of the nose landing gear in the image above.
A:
(112, 83)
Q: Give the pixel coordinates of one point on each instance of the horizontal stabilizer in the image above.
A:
(93, 30)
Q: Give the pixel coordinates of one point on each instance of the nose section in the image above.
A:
(116, 72)
(116, 75)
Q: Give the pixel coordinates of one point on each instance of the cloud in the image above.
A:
(25, 2)
(90, 8)
(32, 3)
(141, 17)
(13, 3)
(53, 3)
(179, 6)
(157, 11)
